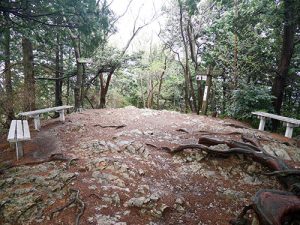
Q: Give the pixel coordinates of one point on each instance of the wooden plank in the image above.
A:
(40, 111)
(58, 108)
(26, 130)
(35, 112)
(20, 134)
(12, 131)
(277, 117)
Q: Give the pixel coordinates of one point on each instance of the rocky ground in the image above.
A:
(116, 171)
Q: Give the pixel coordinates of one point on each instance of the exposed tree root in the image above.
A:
(53, 157)
(3, 203)
(271, 206)
(152, 145)
(236, 125)
(75, 200)
(110, 126)
(284, 173)
(97, 196)
(82, 207)
(62, 207)
(205, 132)
(183, 130)
(24, 211)
(70, 162)
(251, 141)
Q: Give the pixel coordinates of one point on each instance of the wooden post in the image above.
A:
(62, 115)
(37, 122)
(262, 123)
(289, 130)
(19, 150)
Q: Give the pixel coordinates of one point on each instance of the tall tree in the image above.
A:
(29, 81)
(291, 17)
(190, 93)
(9, 101)
(58, 71)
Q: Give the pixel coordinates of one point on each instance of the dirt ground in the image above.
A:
(120, 174)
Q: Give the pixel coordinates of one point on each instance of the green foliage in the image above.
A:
(247, 99)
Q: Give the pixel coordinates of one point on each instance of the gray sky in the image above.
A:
(148, 8)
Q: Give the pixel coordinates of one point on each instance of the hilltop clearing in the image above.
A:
(111, 166)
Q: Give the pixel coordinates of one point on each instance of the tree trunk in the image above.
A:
(193, 53)
(224, 92)
(29, 84)
(150, 93)
(9, 103)
(102, 100)
(289, 29)
(160, 83)
(142, 91)
(83, 92)
(68, 82)
(80, 70)
(235, 66)
(188, 81)
(104, 88)
(58, 71)
(200, 95)
(286, 53)
(206, 91)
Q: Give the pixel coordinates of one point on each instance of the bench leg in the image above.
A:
(289, 130)
(37, 122)
(262, 123)
(62, 115)
(19, 150)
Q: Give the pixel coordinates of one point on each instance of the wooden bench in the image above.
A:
(290, 123)
(18, 132)
(36, 114)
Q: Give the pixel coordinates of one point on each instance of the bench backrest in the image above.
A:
(18, 131)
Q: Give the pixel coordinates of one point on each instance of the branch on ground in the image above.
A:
(110, 126)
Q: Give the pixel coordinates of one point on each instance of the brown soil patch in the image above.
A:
(191, 188)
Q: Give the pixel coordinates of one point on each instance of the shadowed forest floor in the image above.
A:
(122, 175)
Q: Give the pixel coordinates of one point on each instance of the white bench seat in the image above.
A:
(36, 114)
(290, 122)
(18, 133)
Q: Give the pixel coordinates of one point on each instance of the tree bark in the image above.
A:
(206, 91)
(83, 92)
(142, 91)
(235, 66)
(9, 101)
(104, 88)
(79, 76)
(193, 53)
(150, 93)
(29, 84)
(59, 68)
(289, 29)
(160, 83)
(188, 81)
